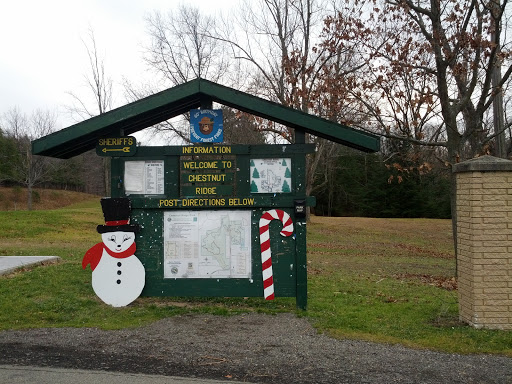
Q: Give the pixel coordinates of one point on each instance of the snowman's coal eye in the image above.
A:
(113, 238)
(126, 237)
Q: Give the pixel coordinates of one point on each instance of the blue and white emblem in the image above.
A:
(206, 126)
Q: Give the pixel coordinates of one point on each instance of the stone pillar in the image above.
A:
(484, 242)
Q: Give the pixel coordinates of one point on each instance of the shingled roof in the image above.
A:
(151, 110)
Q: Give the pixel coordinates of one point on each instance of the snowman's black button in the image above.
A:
(118, 281)
(118, 272)
(119, 264)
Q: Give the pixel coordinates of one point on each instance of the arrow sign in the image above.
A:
(117, 146)
(125, 149)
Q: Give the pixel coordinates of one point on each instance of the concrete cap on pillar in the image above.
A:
(483, 164)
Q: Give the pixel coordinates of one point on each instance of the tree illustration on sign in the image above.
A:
(255, 174)
(254, 187)
(286, 187)
(287, 173)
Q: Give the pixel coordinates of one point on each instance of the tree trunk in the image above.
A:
(30, 180)
(454, 143)
(497, 104)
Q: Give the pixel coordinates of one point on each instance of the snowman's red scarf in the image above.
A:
(93, 255)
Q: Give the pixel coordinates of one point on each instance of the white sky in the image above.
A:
(42, 56)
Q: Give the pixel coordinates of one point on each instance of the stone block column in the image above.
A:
(484, 242)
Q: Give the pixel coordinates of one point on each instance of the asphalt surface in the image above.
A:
(10, 264)
(46, 375)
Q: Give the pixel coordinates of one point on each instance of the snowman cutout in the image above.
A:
(118, 276)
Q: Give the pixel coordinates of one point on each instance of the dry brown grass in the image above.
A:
(420, 250)
(15, 199)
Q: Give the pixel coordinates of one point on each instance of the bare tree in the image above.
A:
(97, 100)
(30, 169)
(462, 55)
(429, 73)
(276, 39)
(98, 83)
(8, 155)
(180, 48)
(281, 42)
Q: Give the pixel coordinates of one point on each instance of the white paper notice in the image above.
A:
(207, 244)
(154, 177)
(134, 177)
(144, 177)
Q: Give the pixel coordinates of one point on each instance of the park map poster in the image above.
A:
(207, 244)
(271, 175)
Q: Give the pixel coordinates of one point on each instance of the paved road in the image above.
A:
(9, 264)
(29, 375)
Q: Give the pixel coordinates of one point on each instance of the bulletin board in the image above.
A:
(199, 208)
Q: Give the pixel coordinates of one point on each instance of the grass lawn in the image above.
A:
(384, 280)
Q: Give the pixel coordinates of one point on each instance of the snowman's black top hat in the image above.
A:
(117, 215)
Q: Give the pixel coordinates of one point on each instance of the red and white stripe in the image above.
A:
(266, 260)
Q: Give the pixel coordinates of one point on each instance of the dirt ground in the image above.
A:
(253, 347)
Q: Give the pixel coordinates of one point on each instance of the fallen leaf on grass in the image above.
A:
(448, 283)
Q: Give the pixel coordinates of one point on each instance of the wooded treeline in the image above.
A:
(432, 78)
(365, 185)
(354, 184)
(18, 167)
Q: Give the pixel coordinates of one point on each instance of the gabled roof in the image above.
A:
(172, 102)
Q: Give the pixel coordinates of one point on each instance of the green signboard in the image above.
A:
(219, 220)
(116, 146)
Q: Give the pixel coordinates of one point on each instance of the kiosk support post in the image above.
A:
(301, 217)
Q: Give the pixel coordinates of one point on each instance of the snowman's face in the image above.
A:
(118, 241)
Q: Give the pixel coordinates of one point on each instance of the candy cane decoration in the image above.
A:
(266, 261)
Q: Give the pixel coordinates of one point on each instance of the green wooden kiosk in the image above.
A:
(199, 206)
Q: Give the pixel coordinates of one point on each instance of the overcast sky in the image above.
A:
(43, 56)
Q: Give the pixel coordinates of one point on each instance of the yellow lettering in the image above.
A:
(200, 164)
(168, 203)
(112, 141)
(236, 202)
(206, 190)
(190, 202)
(201, 178)
(206, 150)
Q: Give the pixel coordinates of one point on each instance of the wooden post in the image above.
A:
(300, 225)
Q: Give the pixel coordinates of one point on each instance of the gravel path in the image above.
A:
(251, 347)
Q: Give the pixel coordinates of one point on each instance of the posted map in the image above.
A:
(271, 175)
(207, 244)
